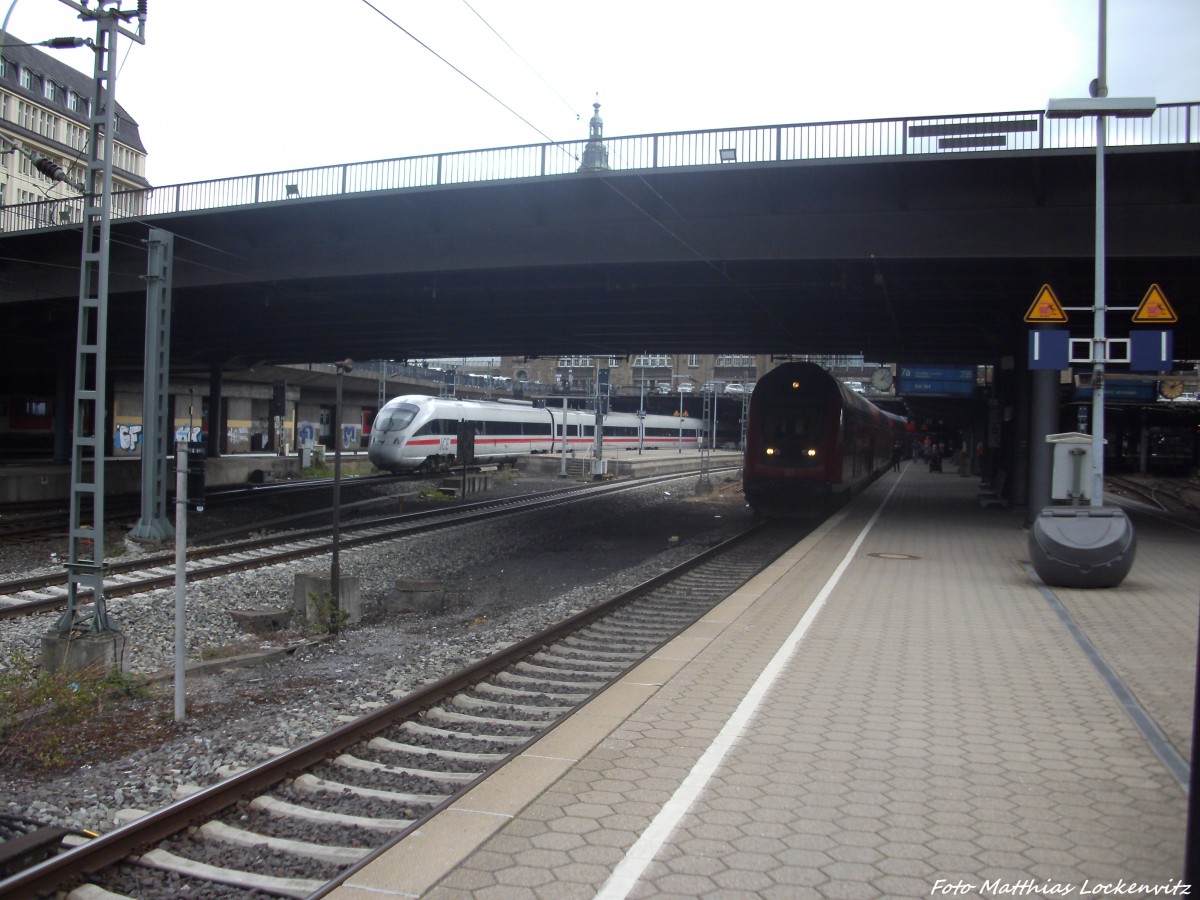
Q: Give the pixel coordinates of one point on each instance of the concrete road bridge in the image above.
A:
(908, 240)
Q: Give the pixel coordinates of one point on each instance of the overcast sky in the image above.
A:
(250, 86)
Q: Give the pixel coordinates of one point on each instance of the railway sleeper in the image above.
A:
(285, 887)
(311, 784)
(559, 671)
(500, 707)
(626, 656)
(95, 892)
(219, 832)
(647, 634)
(445, 733)
(532, 688)
(448, 716)
(282, 808)
(665, 618)
(384, 744)
(548, 677)
(366, 765)
(575, 665)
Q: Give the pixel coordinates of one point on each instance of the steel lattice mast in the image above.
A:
(86, 566)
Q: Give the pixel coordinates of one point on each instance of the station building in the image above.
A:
(45, 107)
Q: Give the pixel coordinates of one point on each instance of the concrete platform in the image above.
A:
(896, 708)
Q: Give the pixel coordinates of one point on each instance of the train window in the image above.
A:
(789, 437)
(438, 426)
(537, 428)
(396, 418)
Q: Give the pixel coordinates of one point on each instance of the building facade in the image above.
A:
(662, 373)
(46, 108)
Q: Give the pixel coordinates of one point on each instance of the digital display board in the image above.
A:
(1121, 392)
(940, 381)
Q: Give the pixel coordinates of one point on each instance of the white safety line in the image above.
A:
(630, 869)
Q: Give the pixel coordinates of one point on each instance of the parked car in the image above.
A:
(735, 387)
(663, 387)
(686, 388)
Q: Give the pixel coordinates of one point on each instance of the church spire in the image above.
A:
(595, 154)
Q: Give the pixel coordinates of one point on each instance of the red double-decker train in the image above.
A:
(812, 442)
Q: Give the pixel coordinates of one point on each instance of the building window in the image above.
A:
(76, 136)
(72, 101)
(25, 78)
(47, 124)
(658, 361)
(693, 361)
(574, 362)
(48, 89)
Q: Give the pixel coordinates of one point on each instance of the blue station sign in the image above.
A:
(936, 381)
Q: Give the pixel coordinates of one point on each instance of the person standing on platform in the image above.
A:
(897, 454)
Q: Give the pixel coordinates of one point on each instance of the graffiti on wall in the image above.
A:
(349, 437)
(129, 437)
(185, 433)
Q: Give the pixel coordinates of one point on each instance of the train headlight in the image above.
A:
(770, 451)
(810, 452)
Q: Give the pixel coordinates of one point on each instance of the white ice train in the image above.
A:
(418, 432)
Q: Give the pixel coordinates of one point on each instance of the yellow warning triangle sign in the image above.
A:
(1046, 307)
(1155, 308)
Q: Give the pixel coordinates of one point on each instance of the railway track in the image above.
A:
(294, 824)
(40, 520)
(46, 592)
(1168, 495)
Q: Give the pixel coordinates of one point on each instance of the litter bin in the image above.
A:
(1082, 546)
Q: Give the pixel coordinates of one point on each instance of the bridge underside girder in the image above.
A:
(902, 260)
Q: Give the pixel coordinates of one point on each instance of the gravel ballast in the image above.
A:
(504, 579)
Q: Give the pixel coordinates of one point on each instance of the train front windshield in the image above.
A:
(395, 418)
(791, 437)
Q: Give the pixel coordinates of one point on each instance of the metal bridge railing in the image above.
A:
(1172, 123)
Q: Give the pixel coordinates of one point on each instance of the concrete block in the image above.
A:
(262, 619)
(91, 654)
(416, 594)
(310, 587)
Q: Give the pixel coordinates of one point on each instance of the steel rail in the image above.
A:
(119, 844)
(379, 529)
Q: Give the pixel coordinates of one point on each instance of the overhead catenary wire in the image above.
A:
(447, 62)
(708, 261)
(551, 87)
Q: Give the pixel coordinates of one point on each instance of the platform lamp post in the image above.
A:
(1093, 547)
(1101, 106)
(642, 409)
(681, 379)
(335, 572)
(680, 416)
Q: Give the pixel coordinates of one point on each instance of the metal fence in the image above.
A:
(1172, 123)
